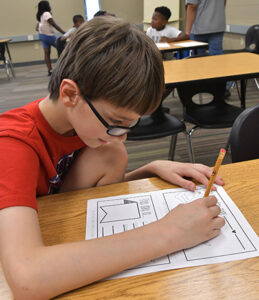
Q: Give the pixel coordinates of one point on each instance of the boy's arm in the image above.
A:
(181, 37)
(35, 271)
(190, 16)
(55, 25)
(175, 173)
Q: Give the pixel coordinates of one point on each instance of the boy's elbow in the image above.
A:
(23, 281)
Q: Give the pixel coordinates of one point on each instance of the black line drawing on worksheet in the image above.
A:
(233, 233)
(120, 215)
(112, 215)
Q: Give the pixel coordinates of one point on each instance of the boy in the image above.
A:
(160, 31)
(107, 77)
(61, 41)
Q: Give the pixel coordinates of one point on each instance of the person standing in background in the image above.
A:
(206, 22)
(46, 26)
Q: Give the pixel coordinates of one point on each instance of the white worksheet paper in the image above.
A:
(111, 215)
(190, 44)
(162, 45)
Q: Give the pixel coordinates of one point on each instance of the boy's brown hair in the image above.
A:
(112, 59)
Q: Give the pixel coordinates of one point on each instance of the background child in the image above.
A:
(160, 31)
(109, 75)
(61, 41)
(46, 27)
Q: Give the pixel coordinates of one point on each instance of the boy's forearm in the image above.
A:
(56, 269)
(181, 37)
(145, 171)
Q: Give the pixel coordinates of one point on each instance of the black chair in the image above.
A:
(251, 44)
(7, 63)
(60, 44)
(251, 41)
(244, 135)
(159, 124)
(214, 114)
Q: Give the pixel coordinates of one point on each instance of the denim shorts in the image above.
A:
(47, 40)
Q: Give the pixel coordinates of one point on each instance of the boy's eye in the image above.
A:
(116, 122)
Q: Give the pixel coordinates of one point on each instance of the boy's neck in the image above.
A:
(54, 113)
(161, 28)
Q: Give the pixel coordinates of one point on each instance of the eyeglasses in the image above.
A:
(112, 130)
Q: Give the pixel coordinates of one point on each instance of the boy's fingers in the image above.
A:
(218, 222)
(210, 201)
(187, 184)
(214, 210)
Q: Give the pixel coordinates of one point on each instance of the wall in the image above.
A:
(130, 10)
(18, 20)
(240, 15)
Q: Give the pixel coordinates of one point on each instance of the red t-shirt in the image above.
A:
(33, 157)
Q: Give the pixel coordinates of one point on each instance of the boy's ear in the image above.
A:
(69, 92)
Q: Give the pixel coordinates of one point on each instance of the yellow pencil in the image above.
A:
(220, 158)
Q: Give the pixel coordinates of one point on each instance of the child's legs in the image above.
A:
(47, 42)
(96, 166)
(47, 58)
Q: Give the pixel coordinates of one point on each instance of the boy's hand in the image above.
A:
(193, 223)
(174, 172)
(164, 39)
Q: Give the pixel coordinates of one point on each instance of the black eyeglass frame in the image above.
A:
(110, 128)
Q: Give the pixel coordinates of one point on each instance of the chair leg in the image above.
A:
(172, 147)
(7, 69)
(189, 147)
(189, 144)
(256, 82)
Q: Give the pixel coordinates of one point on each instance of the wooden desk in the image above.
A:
(62, 219)
(237, 66)
(176, 46)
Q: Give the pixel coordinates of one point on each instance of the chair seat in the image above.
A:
(152, 127)
(213, 116)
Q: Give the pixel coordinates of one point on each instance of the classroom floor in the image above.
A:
(31, 83)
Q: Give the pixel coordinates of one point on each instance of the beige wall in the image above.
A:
(18, 18)
(130, 10)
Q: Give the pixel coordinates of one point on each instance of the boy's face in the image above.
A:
(91, 130)
(158, 21)
(79, 22)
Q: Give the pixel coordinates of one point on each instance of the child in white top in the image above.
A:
(46, 26)
(160, 31)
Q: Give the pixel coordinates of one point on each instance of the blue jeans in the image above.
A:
(214, 40)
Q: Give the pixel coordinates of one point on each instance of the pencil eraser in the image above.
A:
(223, 150)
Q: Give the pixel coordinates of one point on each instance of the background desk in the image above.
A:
(177, 46)
(238, 66)
(62, 219)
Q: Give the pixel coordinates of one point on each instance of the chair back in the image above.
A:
(189, 90)
(252, 39)
(244, 136)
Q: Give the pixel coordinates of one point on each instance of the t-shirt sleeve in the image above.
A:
(19, 169)
(191, 2)
(173, 32)
(70, 31)
(148, 33)
(47, 15)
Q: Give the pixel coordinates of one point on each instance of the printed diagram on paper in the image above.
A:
(117, 214)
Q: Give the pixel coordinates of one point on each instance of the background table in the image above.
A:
(178, 46)
(63, 218)
(230, 67)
